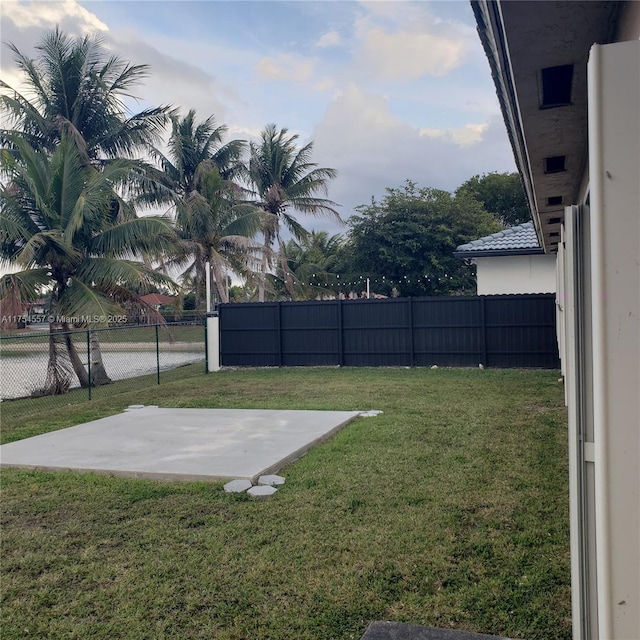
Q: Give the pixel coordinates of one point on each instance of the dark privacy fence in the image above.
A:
(496, 331)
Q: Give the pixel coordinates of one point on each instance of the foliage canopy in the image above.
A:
(406, 241)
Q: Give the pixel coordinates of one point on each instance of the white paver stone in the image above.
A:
(370, 414)
(271, 480)
(134, 406)
(237, 486)
(261, 491)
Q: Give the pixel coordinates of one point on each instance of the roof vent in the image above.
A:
(554, 200)
(556, 86)
(555, 164)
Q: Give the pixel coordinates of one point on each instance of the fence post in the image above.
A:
(483, 319)
(213, 341)
(412, 359)
(89, 360)
(157, 355)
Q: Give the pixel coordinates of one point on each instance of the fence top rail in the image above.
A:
(130, 327)
(426, 299)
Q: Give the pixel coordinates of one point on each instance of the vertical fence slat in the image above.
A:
(340, 334)
(279, 332)
(412, 359)
(483, 320)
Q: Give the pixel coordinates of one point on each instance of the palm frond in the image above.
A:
(24, 286)
(105, 273)
(149, 235)
(82, 301)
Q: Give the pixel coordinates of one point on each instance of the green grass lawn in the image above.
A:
(450, 509)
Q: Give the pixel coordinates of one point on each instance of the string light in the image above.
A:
(357, 281)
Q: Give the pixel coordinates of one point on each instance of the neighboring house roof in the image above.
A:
(154, 299)
(514, 241)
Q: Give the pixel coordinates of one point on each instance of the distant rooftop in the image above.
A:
(514, 241)
(157, 299)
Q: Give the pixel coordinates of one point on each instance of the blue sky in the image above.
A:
(387, 90)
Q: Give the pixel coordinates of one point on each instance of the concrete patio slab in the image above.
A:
(180, 444)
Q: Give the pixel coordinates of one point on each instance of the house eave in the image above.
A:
(520, 38)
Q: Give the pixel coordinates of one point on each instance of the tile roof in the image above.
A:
(518, 240)
(157, 299)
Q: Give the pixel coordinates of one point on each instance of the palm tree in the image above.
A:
(216, 229)
(285, 180)
(214, 222)
(78, 91)
(57, 223)
(311, 263)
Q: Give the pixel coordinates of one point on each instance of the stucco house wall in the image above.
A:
(516, 274)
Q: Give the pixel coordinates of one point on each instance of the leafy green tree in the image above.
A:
(501, 194)
(406, 241)
(286, 181)
(214, 223)
(57, 224)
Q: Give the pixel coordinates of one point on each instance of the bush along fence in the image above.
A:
(494, 331)
(45, 364)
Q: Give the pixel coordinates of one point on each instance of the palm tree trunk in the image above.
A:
(58, 379)
(218, 279)
(74, 358)
(98, 372)
(262, 282)
(286, 273)
(262, 277)
(199, 287)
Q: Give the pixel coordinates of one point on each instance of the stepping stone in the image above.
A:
(261, 492)
(135, 406)
(237, 486)
(270, 481)
(370, 414)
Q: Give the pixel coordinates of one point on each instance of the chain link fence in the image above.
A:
(75, 366)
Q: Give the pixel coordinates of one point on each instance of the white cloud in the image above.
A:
(49, 14)
(410, 56)
(329, 39)
(372, 149)
(294, 68)
(465, 136)
(286, 66)
(398, 41)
